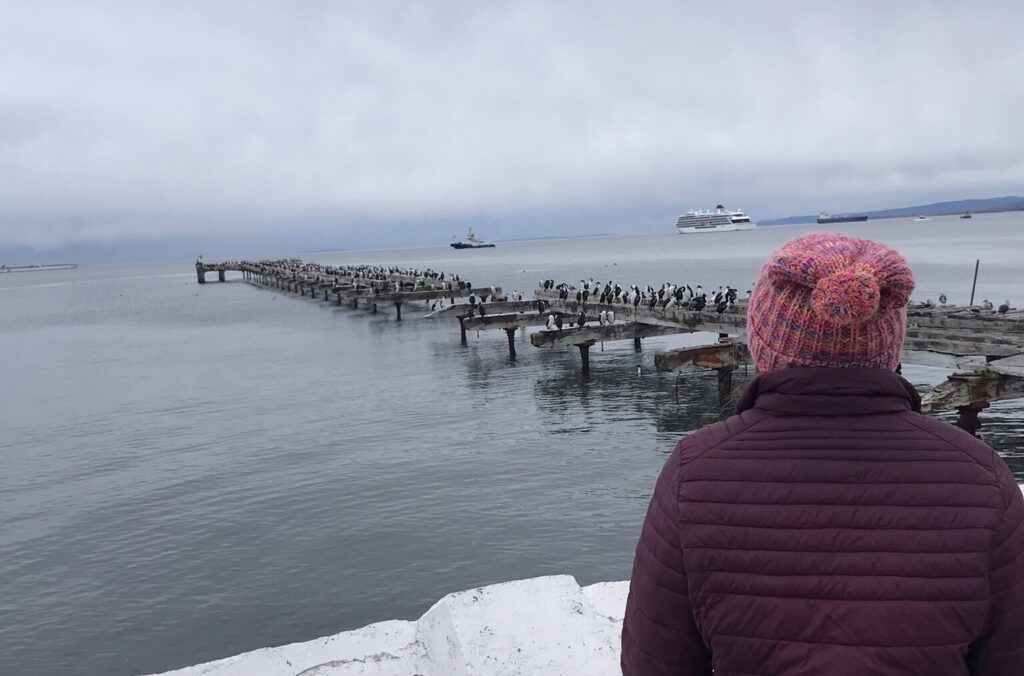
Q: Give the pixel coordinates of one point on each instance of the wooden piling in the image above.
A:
(511, 334)
(724, 384)
(585, 357)
(967, 417)
(398, 310)
(462, 330)
(974, 284)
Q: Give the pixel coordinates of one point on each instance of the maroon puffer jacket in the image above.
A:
(829, 529)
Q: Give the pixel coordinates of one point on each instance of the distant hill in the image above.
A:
(990, 204)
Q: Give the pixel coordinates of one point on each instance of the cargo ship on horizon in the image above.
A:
(826, 217)
(38, 268)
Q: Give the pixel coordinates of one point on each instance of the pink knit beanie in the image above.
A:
(825, 299)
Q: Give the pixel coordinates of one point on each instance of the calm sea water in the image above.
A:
(191, 472)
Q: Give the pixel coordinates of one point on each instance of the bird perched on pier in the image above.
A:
(942, 299)
(1004, 308)
(472, 299)
(581, 320)
(558, 322)
(610, 316)
(986, 304)
(722, 305)
(550, 325)
(602, 317)
(699, 302)
(480, 309)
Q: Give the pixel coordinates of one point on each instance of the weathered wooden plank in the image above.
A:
(972, 389)
(505, 321)
(491, 308)
(960, 347)
(720, 355)
(607, 333)
(407, 296)
(947, 361)
(1009, 366)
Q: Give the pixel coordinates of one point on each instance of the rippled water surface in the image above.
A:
(191, 472)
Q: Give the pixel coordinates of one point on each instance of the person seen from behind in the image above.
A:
(828, 528)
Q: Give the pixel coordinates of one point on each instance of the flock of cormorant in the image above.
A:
(611, 294)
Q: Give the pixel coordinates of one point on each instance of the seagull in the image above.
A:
(581, 320)
(550, 323)
(602, 317)
(986, 304)
(610, 315)
(1004, 308)
(558, 322)
(942, 299)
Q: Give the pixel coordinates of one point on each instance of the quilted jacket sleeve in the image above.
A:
(1000, 650)
(659, 635)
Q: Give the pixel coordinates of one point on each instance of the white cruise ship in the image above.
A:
(719, 220)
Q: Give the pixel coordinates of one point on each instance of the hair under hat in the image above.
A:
(825, 299)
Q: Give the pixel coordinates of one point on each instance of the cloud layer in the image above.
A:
(137, 120)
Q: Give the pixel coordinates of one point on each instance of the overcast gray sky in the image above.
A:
(388, 122)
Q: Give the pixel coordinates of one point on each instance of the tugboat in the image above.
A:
(471, 242)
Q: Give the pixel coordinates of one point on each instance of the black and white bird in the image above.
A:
(610, 316)
(942, 299)
(550, 325)
(558, 322)
(1004, 308)
(581, 320)
(602, 317)
(986, 304)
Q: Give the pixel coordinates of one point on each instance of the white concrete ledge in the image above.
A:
(545, 625)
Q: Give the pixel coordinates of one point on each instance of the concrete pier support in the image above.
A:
(355, 302)
(398, 310)
(220, 276)
(200, 275)
(511, 334)
(636, 344)
(374, 311)
(462, 330)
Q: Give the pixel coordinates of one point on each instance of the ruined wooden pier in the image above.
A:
(350, 284)
(984, 350)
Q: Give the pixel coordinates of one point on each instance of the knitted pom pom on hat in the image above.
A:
(826, 299)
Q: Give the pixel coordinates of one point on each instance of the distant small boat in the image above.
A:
(922, 218)
(471, 242)
(966, 214)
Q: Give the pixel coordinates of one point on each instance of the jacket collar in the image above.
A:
(829, 391)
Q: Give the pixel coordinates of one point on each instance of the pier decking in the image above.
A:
(985, 350)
